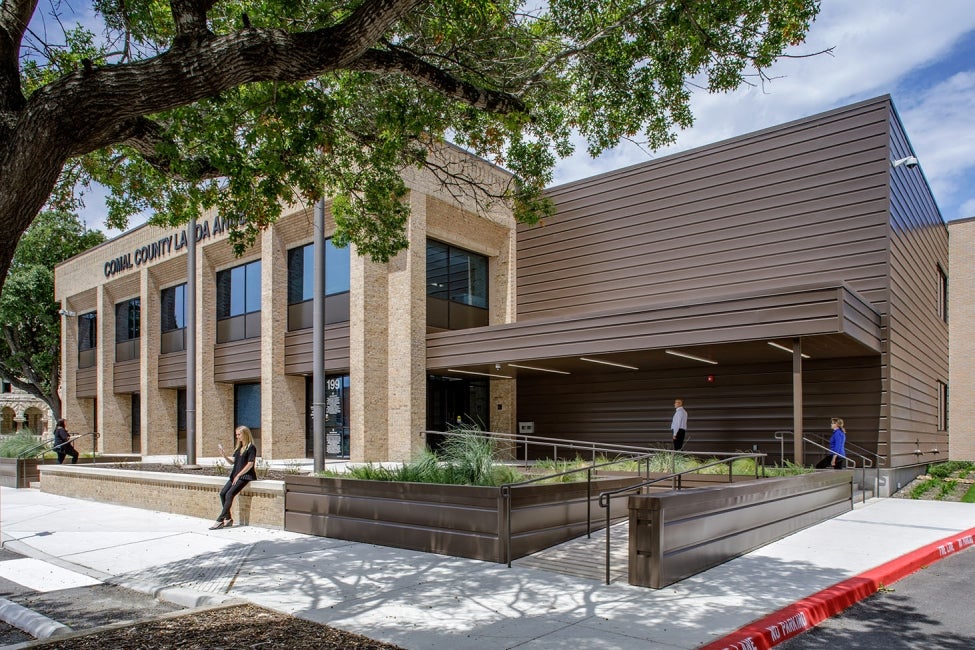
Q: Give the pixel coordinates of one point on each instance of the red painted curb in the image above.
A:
(808, 612)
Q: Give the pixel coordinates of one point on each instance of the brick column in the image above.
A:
(407, 339)
(114, 411)
(368, 377)
(158, 405)
(282, 396)
(214, 401)
(961, 333)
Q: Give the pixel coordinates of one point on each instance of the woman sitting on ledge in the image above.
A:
(242, 473)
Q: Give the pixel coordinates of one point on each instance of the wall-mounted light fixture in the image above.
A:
(66, 312)
(789, 350)
(518, 365)
(691, 357)
(910, 162)
(608, 363)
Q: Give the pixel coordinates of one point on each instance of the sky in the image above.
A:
(920, 52)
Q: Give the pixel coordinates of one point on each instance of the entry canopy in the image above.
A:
(831, 321)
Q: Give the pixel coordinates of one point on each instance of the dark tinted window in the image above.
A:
(173, 308)
(301, 271)
(127, 315)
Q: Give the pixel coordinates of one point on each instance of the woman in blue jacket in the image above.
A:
(836, 458)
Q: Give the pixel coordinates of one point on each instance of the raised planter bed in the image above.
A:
(20, 473)
(457, 520)
(260, 504)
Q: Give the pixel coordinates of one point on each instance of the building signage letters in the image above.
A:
(166, 245)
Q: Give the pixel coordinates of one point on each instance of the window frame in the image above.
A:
(87, 354)
(129, 334)
(243, 320)
(447, 307)
(172, 339)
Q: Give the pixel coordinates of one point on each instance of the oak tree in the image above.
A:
(240, 105)
(30, 325)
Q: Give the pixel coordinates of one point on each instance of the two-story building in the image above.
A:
(772, 281)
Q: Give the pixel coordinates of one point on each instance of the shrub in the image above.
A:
(465, 459)
(946, 469)
(17, 444)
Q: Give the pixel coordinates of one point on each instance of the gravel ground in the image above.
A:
(237, 627)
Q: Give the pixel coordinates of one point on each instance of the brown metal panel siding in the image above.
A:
(127, 376)
(237, 361)
(743, 406)
(918, 335)
(172, 370)
(801, 313)
(298, 350)
(804, 202)
(86, 382)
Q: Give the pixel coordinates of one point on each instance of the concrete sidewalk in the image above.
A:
(420, 600)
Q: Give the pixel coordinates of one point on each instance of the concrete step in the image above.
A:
(36, 485)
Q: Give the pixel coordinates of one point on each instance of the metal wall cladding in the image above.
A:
(463, 521)
(679, 534)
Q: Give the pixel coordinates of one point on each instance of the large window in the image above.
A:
(87, 340)
(173, 315)
(239, 302)
(127, 329)
(301, 285)
(457, 287)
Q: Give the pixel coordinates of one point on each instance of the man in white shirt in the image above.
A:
(678, 425)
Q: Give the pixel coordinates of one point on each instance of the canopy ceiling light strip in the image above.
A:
(480, 374)
(691, 357)
(557, 372)
(609, 363)
(789, 350)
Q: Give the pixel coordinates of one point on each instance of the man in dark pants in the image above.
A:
(678, 425)
(62, 443)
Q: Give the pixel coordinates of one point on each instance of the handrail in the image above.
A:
(605, 498)
(505, 491)
(32, 451)
(866, 461)
(573, 445)
(863, 468)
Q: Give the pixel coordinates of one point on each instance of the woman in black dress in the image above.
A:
(242, 473)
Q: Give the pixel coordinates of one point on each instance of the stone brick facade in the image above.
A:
(961, 343)
(260, 504)
(387, 326)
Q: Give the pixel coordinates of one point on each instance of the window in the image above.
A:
(301, 285)
(942, 406)
(247, 410)
(942, 294)
(457, 287)
(173, 317)
(87, 340)
(127, 328)
(6, 387)
(239, 302)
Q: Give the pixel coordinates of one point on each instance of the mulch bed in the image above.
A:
(237, 627)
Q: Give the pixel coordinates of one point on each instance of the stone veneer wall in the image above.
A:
(260, 504)
(961, 339)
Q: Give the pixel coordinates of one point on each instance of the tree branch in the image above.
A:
(402, 61)
(190, 17)
(14, 18)
(145, 136)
